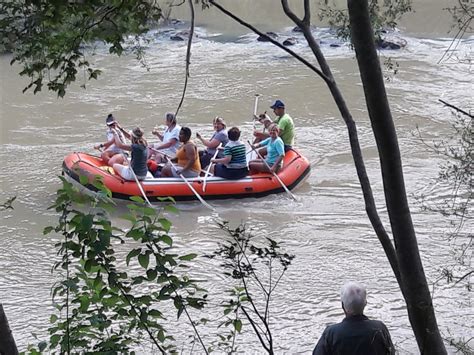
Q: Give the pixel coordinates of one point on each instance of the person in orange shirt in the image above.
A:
(187, 158)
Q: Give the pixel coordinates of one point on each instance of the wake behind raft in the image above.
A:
(296, 168)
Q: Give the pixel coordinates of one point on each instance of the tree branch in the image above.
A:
(456, 108)
(252, 323)
(279, 45)
(188, 55)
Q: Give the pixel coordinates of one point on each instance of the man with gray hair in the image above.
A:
(356, 334)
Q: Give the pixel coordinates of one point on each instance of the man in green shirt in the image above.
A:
(284, 122)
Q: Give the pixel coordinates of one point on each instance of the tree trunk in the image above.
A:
(7, 343)
(414, 285)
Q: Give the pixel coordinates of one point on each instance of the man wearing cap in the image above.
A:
(109, 147)
(284, 122)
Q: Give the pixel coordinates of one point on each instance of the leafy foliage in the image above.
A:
(49, 37)
(456, 178)
(383, 14)
(101, 307)
(462, 14)
(258, 266)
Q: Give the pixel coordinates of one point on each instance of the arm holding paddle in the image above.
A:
(211, 143)
(105, 145)
(125, 133)
(119, 143)
(225, 160)
(270, 169)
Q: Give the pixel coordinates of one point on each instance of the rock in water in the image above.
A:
(272, 35)
(290, 41)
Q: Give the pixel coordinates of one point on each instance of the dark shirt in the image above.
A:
(355, 335)
(139, 157)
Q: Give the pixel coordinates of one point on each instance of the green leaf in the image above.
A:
(135, 234)
(42, 345)
(47, 230)
(132, 254)
(149, 211)
(238, 325)
(137, 199)
(171, 209)
(155, 313)
(88, 265)
(165, 223)
(144, 260)
(85, 302)
(53, 318)
(167, 239)
(151, 274)
(83, 180)
(161, 336)
(227, 311)
(188, 257)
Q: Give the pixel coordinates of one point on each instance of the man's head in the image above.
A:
(278, 108)
(353, 298)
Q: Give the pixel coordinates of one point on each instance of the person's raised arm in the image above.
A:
(157, 133)
(125, 133)
(119, 143)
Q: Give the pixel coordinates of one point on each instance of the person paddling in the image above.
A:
(234, 163)
(187, 158)
(275, 153)
(109, 148)
(139, 156)
(219, 137)
(169, 139)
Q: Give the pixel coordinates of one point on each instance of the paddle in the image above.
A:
(255, 109)
(133, 173)
(274, 174)
(209, 168)
(190, 186)
(138, 183)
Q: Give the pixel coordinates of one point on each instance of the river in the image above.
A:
(327, 228)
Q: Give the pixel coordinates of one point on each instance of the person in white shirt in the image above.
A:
(110, 151)
(169, 139)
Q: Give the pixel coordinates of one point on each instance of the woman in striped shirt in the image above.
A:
(234, 163)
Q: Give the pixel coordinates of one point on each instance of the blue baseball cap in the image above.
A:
(278, 104)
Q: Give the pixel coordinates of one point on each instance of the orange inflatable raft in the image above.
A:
(295, 169)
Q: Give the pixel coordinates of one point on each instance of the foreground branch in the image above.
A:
(188, 55)
(7, 343)
(456, 108)
(269, 39)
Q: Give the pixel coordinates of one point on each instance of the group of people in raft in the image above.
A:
(177, 155)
